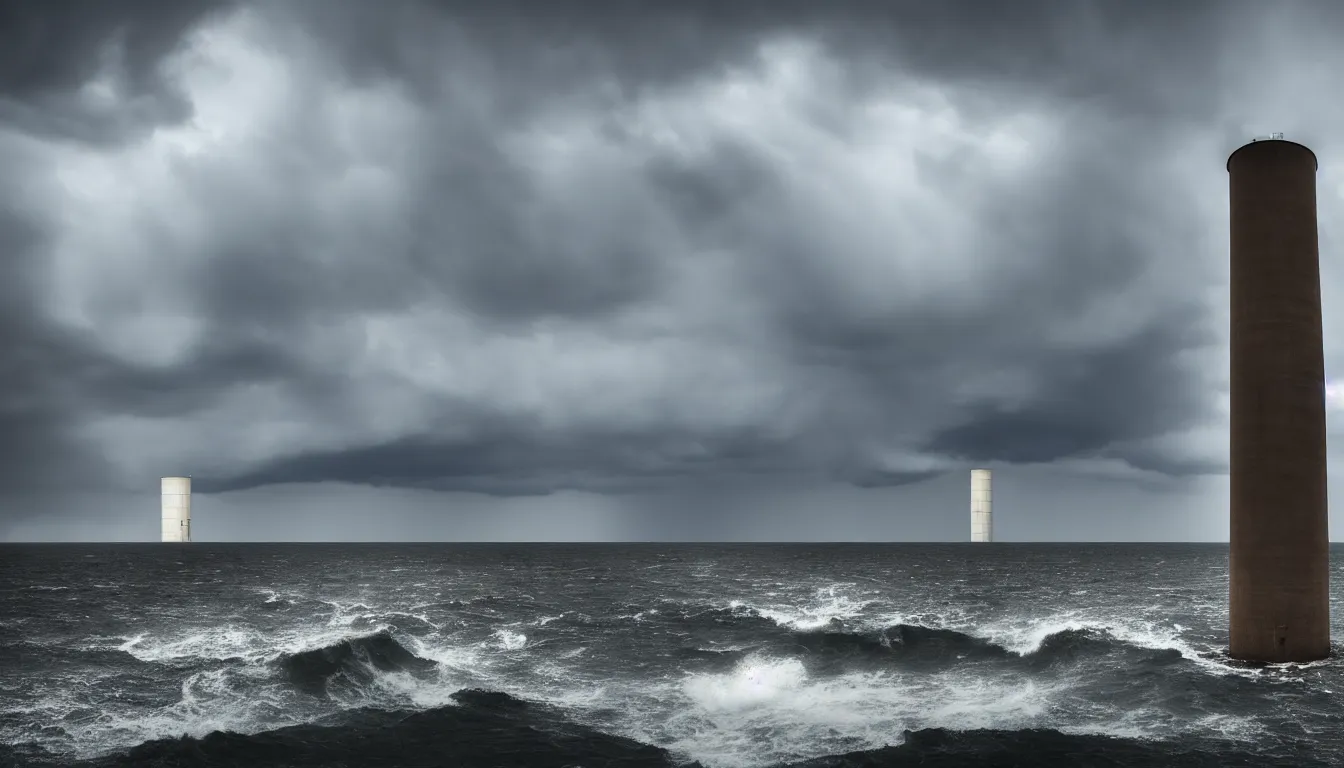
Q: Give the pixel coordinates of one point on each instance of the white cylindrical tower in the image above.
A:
(176, 508)
(982, 522)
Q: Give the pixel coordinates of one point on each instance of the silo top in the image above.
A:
(176, 484)
(1314, 162)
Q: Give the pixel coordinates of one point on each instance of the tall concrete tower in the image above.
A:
(176, 508)
(982, 520)
(1279, 557)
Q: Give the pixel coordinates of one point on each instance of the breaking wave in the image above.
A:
(484, 728)
(355, 661)
(452, 664)
(915, 644)
(850, 636)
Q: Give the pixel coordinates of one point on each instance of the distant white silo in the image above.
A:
(982, 522)
(176, 508)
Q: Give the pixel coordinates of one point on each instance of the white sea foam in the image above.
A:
(236, 698)
(828, 604)
(222, 642)
(510, 641)
(418, 616)
(750, 685)
(347, 614)
(769, 710)
(468, 665)
(1230, 727)
(720, 718)
(276, 596)
(1027, 636)
(249, 697)
(765, 709)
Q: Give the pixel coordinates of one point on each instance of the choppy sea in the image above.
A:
(729, 656)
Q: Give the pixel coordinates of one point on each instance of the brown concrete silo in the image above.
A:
(1279, 561)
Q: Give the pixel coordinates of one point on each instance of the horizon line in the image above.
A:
(615, 542)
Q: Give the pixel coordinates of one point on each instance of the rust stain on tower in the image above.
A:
(1279, 561)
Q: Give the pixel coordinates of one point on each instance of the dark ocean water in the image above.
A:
(735, 656)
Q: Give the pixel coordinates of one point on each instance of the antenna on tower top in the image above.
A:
(1276, 135)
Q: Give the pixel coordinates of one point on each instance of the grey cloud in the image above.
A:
(506, 459)
(34, 363)
(752, 270)
(112, 384)
(49, 51)
(880, 479)
(1093, 399)
(1086, 52)
(650, 38)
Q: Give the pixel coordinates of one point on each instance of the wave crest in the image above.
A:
(356, 659)
(921, 644)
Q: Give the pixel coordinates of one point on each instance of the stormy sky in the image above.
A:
(582, 270)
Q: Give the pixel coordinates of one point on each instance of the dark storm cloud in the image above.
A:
(491, 180)
(31, 360)
(52, 51)
(645, 41)
(508, 460)
(37, 406)
(49, 51)
(1096, 50)
(1094, 398)
(112, 384)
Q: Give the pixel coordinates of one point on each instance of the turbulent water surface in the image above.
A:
(735, 656)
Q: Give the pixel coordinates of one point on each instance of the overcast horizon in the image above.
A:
(678, 271)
